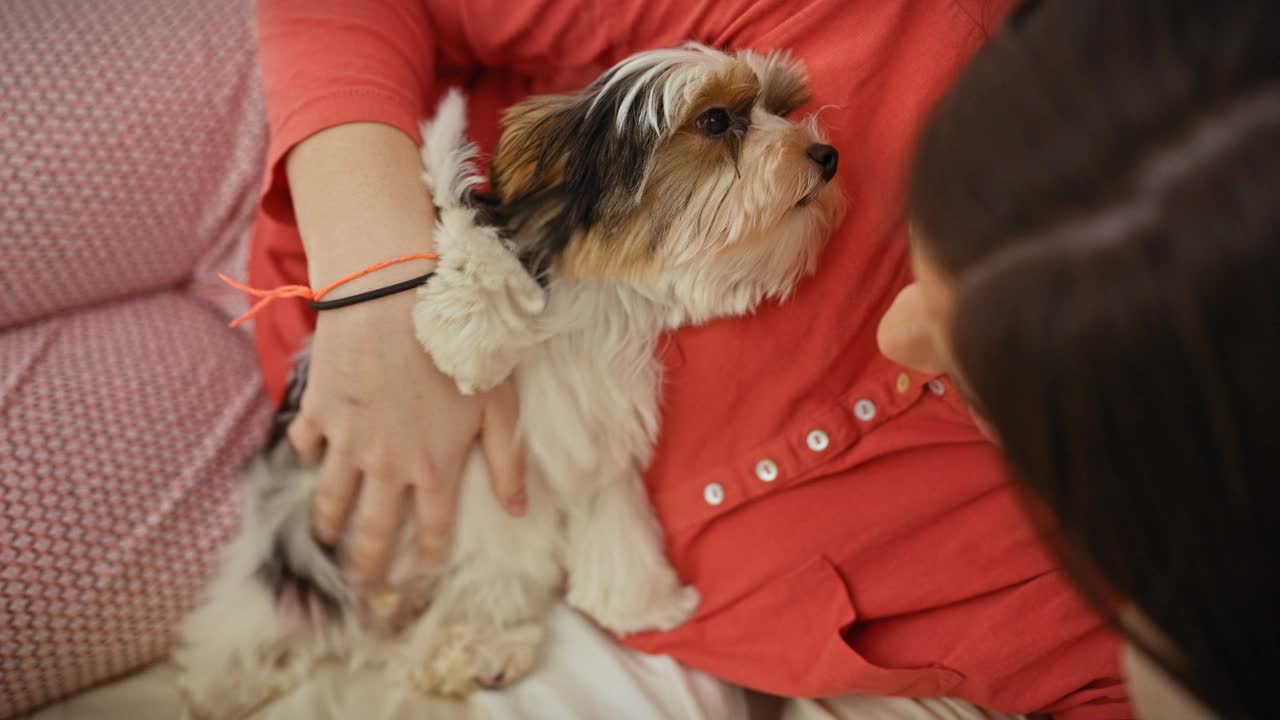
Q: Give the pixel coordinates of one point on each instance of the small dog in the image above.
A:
(672, 191)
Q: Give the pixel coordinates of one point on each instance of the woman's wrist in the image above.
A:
(328, 268)
(359, 200)
(372, 318)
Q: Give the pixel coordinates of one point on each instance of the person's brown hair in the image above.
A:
(1103, 186)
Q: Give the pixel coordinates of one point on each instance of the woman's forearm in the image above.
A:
(359, 198)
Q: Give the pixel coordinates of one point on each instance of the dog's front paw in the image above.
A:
(625, 613)
(464, 657)
(233, 695)
(478, 316)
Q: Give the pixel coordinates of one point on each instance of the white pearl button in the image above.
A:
(864, 410)
(936, 387)
(767, 470)
(713, 493)
(817, 441)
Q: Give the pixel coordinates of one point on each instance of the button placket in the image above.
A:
(865, 410)
(810, 442)
(817, 440)
(713, 494)
(767, 470)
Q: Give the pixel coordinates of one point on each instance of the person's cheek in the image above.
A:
(903, 334)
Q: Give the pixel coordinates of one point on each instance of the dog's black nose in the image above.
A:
(827, 158)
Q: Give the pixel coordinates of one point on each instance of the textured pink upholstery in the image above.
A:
(131, 137)
(120, 437)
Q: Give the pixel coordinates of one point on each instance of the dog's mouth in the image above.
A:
(810, 196)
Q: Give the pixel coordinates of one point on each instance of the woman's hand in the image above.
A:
(395, 434)
(390, 431)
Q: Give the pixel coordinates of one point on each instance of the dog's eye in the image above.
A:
(714, 122)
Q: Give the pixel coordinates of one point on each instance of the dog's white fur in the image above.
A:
(581, 353)
(587, 378)
(492, 324)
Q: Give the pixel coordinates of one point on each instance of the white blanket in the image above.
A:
(585, 675)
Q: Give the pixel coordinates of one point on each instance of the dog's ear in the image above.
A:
(568, 164)
(784, 82)
(527, 177)
(577, 141)
(527, 160)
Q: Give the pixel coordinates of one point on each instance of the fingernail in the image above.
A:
(518, 504)
(385, 600)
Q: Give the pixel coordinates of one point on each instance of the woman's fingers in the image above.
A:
(375, 530)
(435, 503)
(307, 439)
(336, 489)
(503, 452)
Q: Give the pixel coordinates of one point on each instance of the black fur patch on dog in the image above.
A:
(291, 405)
(280, 576)
(587, 171)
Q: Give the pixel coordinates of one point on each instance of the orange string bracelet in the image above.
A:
(266, 297)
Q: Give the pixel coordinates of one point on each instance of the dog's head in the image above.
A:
(677, 173)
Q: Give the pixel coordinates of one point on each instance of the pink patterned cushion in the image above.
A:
(122, 432)
(131, 138)
(132, 134)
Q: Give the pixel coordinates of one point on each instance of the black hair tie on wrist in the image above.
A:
(371, 295)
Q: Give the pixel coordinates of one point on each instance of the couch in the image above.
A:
(131, 140)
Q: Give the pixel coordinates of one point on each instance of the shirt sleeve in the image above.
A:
(331, 62)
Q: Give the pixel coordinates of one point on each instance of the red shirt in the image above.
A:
(846, 525)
